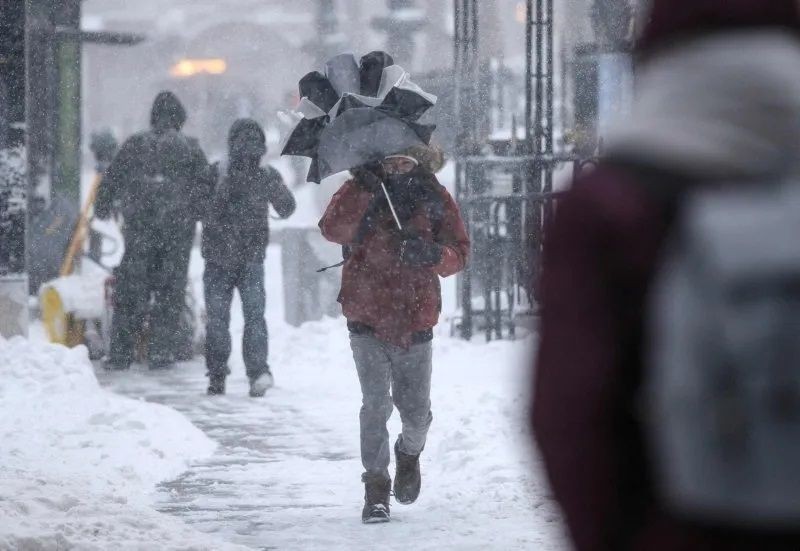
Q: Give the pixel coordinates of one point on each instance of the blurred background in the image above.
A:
(526, 89)
(244, 57)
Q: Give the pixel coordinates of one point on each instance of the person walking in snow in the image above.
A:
(717, 107)
(391, 298)
(159, 181)
(235, 238)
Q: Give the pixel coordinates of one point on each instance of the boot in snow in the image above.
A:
(376, 498)
(407, 476)
(216, 385)
(261, 384)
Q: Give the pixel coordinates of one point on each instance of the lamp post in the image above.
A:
(53, 99)
(40, 67)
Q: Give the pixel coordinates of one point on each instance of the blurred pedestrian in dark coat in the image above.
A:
(235, 238)
(718, 100)
(160, 183)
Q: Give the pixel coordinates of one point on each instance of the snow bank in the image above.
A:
(78, 463)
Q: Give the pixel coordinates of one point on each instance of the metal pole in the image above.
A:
(465, 52)
(529, 77)
(550, 77)
(539, 93)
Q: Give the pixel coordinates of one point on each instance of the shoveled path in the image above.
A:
(268, 474)
(287, 471)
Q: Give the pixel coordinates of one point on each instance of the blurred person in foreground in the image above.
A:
(391, 298)
(718, 102)
(235, 239)
(159, 181)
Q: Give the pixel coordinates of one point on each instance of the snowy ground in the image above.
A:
(78, 464)
(286, 475)
(95, 470)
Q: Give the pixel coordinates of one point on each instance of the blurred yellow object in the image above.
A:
(81, 229)
(192, 67)
(61, 327)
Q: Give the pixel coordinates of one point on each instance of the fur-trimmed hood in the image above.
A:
(431, 157)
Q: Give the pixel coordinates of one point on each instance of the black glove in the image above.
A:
(372, 215)
(369, 177)
(409, 192)
(417, 252)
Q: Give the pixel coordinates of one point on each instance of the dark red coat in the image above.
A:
(600, 257)
(377, 289)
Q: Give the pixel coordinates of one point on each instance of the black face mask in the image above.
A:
(408, 192)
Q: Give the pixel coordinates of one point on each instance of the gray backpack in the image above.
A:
(723, 386)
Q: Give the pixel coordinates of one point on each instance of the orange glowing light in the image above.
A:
(191, 67)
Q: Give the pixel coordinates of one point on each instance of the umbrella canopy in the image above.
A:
(356, 113)
(363, 135)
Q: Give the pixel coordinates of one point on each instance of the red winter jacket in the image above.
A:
(378, 290)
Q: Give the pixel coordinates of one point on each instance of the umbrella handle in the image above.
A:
(391, 207)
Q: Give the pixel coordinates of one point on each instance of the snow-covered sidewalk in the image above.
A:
(78, 463)
(287, 472)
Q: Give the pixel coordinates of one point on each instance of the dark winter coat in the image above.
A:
(601, 256)
(378, 290)
(160, 176)
(236, 226)
(709, 113)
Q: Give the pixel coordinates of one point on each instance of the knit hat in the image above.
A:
(672, 21)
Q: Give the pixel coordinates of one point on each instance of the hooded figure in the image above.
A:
(718, 101)
(160, 182)
(235, 238)
(247, 144)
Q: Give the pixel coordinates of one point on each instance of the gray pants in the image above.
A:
(390, 374)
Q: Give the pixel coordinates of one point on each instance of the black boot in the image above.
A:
(376, 498)
(216, 385)
(407, 477)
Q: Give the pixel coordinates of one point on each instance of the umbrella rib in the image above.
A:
(391, 207)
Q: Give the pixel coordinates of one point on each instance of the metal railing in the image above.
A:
(505, 188)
